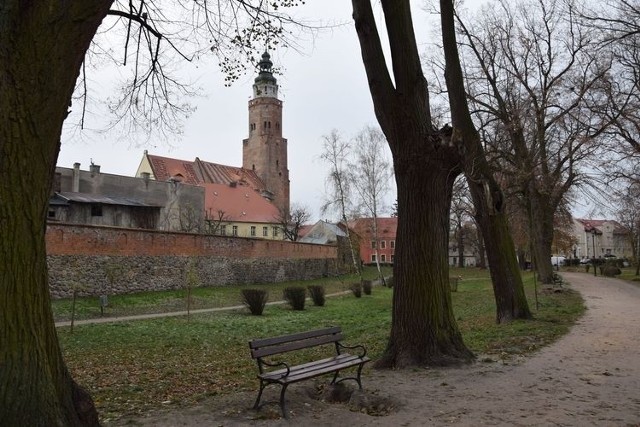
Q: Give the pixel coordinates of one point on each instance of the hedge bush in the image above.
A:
(295, 296)
(255, 300)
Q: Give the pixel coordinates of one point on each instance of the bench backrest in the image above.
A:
(285, 343)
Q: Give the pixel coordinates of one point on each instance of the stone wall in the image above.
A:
(107, 260)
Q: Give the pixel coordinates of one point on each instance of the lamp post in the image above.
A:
(593, 243)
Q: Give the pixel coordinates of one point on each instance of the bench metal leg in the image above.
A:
(283, 404)
(358, 377)
(262, 386)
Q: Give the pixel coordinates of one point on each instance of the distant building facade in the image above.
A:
(95, 198)
(383, 248)
(600, 238)
(326, 233)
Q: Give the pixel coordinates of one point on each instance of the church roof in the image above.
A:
(235, 193)
(198, 172)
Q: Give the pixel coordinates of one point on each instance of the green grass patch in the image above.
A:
(133, 367)
(201, 298)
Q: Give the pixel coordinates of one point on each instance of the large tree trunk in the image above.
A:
(508, 289)
(423, 331)
(42, 45)
(511, 302)
(541, 226)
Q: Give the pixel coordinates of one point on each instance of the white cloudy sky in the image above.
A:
(322, 89)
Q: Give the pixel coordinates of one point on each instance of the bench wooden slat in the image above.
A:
(314, 369)
(264, 342)
(295, 345)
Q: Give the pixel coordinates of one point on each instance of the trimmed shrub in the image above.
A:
(389, 281)
(366, 287)
(611, 271)
(295, 296)
(317, 294)
(255, 300)
(356, 288)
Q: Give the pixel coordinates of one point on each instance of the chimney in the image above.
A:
(75, 184)
(94, 169)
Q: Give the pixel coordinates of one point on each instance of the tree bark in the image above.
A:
(541, 226)
(423, 331)
(511, 302)
(42, 46)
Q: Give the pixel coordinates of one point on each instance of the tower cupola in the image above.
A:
(265, 85)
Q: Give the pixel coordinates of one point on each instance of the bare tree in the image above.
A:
(336, 152)
(42, 52)
(488, 199)
(291, 222)
(628, 215)
(371, 178)
(461, 214)
(213, 221)
(533, 72)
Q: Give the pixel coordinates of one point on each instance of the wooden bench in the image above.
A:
(283, 374)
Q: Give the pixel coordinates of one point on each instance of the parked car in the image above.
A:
(557, 260)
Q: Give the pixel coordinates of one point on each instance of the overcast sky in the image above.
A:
(323, 88)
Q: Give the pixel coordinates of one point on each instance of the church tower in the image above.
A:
(265, 151)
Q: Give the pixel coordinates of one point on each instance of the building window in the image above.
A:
(275, 231)
(373, 257)
(265, 231)
(373, 244)
(383, 244)
(392, 244)
(223, 230)
(253, 231)
(234, 230)
(383, 258)
(96, 210)
(265, 125)
(52, 214)
(392, 258)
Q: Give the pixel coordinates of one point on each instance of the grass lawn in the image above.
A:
(132, 367)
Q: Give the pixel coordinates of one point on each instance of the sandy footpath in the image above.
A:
(591, 377)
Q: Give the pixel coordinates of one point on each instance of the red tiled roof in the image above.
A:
(386, 226)
(240, 203)
(201, 172)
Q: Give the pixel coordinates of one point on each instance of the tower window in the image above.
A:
(253, 167)
(277, 125)
(269, 125)
(265, 125)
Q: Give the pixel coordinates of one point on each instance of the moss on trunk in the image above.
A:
(42, 45)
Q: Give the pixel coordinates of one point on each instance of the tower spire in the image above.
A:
(265, 85)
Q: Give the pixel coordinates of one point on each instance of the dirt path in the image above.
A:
(591, 377)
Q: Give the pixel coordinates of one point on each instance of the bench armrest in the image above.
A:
(352, 347)
(283, 364)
